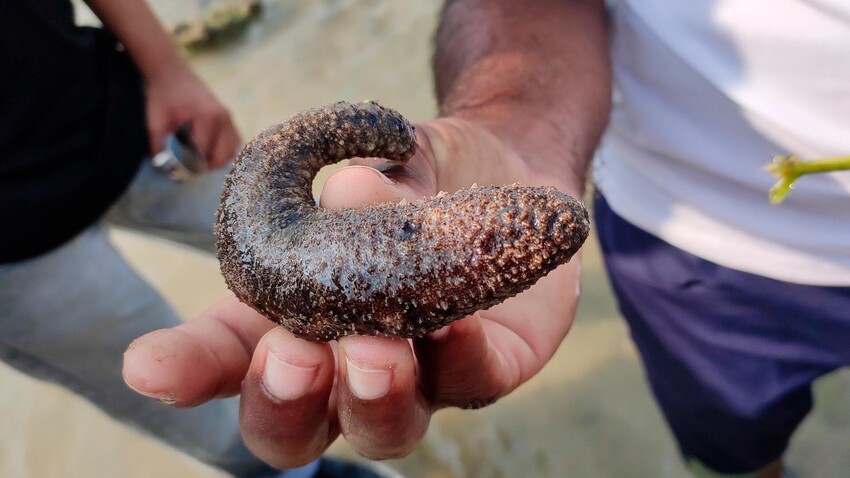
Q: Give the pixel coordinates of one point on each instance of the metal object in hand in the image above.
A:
(180, 158)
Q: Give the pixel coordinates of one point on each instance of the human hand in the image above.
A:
(177, 96)
(298, 396)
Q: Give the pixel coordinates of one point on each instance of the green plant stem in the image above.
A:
(788, 169)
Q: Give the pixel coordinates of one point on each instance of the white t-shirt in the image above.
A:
(706, 93)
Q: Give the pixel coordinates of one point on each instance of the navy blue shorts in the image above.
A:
(730, 356)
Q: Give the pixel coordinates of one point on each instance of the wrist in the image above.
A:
(137, 28)
(165, 67)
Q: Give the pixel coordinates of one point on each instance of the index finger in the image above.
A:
(227, 145)
(199, 360)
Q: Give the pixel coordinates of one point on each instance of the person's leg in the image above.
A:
(68, 316)
(182, 211)
(730, 356)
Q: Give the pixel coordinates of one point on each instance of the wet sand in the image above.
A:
(587, 414)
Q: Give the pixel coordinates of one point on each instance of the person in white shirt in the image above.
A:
(735, 304)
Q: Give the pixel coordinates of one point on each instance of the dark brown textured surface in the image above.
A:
(398, 270)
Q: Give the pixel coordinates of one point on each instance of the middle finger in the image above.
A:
(284, 414)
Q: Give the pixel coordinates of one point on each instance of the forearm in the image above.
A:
(136, 27)
(535, 74)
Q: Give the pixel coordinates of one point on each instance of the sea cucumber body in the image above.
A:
(397, 270)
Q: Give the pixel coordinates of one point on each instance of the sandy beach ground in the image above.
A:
(589, 413)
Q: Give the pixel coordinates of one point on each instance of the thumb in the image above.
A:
(359, 186)
(199, 360)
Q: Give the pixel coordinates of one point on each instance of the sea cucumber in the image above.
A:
(397, 270)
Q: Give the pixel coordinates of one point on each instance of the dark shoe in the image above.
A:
(338, 468)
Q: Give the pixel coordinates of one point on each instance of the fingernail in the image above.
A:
(286, 381)
(368, 384)
(387, 179)
(440, 333)
(383, 168)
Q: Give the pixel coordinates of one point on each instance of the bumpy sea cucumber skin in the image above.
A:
(398, 270)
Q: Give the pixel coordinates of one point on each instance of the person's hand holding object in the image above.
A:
(537, 77)
(297, 396)
(175, 94)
